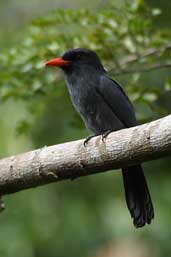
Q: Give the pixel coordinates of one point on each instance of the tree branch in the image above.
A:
(157, 52)
(71, 160)
(149, 52)
(148, 68)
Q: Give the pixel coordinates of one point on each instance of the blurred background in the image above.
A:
(87, 217)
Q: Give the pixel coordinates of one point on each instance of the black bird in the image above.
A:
(105, 107)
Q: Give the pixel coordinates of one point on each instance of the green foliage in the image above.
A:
(76, 219)
(124, 39)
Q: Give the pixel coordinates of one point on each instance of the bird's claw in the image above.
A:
(104, 135)
(88, 139)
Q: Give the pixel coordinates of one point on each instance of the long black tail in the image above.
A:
(137, 196)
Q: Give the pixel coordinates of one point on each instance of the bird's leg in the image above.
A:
(105, 134)
(89, 137)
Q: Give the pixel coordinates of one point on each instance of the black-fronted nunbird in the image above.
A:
(105, 107)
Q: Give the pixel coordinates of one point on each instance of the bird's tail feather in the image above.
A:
(137, 195)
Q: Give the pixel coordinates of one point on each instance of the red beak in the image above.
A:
(59, 62)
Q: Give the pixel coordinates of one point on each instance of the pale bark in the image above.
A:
(73, 159)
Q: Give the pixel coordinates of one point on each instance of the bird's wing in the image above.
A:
(115, 97)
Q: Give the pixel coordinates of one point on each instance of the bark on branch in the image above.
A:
(71, 160)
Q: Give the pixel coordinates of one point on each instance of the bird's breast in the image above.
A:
(97, 115)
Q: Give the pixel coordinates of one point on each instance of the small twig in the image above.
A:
(133, 59)
(149, 52)
(141, 70)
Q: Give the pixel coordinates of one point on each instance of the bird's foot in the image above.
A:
(105, 134)
(88, 139)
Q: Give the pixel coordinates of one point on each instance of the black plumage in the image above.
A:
(104, 106)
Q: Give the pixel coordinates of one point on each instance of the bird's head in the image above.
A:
(77, 58)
